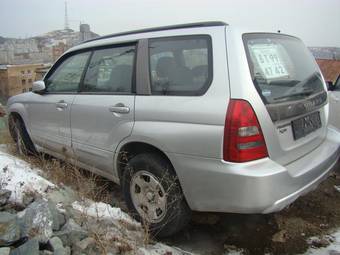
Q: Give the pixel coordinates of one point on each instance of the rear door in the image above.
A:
(290, 86)
(334, 104)
(103, 112)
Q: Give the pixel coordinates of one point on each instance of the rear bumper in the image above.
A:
(261, 186)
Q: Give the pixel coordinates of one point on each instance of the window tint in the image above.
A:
(110, 70)
(180, 65)
(67, 76)
(282, 68)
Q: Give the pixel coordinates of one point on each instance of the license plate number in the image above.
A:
(306, 125)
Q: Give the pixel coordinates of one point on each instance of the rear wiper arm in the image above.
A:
(304, 93)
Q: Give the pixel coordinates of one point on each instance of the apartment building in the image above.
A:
(16, 79)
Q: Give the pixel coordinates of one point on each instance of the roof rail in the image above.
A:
(188, 25)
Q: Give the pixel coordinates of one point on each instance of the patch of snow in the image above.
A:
(330, 249)
(337, 188)
(103, 211)
(161, 249)
(17, 176)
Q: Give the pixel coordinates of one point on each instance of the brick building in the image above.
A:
(16, 79)
(329, 68)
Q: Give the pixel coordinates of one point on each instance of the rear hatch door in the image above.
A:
(292, 89)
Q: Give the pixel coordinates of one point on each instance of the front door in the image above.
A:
(102, 113)
(49, 113)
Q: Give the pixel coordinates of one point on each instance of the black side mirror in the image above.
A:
(330, 85)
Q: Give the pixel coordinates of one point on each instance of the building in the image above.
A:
(45, 48)
(16, 79)
(331, 53)
(329, 68)
(58, 50)
(41, 71)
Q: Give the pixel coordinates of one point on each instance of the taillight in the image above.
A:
(243, 137)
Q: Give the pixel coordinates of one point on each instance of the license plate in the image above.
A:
(306, 125)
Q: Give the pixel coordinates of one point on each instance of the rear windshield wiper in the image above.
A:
(300, 94)
(288, 83)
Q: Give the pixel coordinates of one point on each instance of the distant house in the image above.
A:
(329, 68)
(328, 59)
(16, 79)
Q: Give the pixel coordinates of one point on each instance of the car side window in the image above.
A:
(66, 77)
(110, 70)
(180, 65)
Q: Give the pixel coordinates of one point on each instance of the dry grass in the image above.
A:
(88, 186)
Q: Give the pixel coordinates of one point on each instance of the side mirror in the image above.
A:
(330, 85)
(38, 87)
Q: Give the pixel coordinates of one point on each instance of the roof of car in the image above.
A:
(153, 29)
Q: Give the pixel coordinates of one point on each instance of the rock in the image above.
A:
(5, 251)
(65, 196)
(333, 252)
(27, 198)
(31, 247)
(280, 237)
(9, 228)
(37, 221)
(58, 219)
(71, 233)
(58, 248)
(4, 196)
(85, 246)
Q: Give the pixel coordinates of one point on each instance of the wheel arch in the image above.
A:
(132, 148)
(18, 110)
(12, 117)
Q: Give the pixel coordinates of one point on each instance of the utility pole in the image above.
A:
(66, 17)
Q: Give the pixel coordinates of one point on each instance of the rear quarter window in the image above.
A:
(180, 65)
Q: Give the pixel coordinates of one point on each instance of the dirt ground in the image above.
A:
(286, 232)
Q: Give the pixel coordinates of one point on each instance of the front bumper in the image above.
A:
(261, 186)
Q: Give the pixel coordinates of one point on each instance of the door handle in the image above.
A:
(61, 104)
(119, 108)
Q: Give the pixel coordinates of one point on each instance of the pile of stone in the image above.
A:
(42, 226)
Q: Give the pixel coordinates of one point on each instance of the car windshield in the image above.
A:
(282, 68)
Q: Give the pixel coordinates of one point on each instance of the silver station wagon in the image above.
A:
(199, 117)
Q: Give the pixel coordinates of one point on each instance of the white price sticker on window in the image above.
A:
(268, 58)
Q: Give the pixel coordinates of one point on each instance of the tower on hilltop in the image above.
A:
(66, 17)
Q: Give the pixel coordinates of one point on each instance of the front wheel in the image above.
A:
(22, 140)
(153, 193)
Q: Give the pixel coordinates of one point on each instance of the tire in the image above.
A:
(151, 187)
(23, 142)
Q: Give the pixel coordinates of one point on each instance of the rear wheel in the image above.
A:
(153, 193)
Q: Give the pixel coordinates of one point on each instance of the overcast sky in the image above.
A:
(317, 22)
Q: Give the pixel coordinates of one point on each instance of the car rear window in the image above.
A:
(282, 67)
